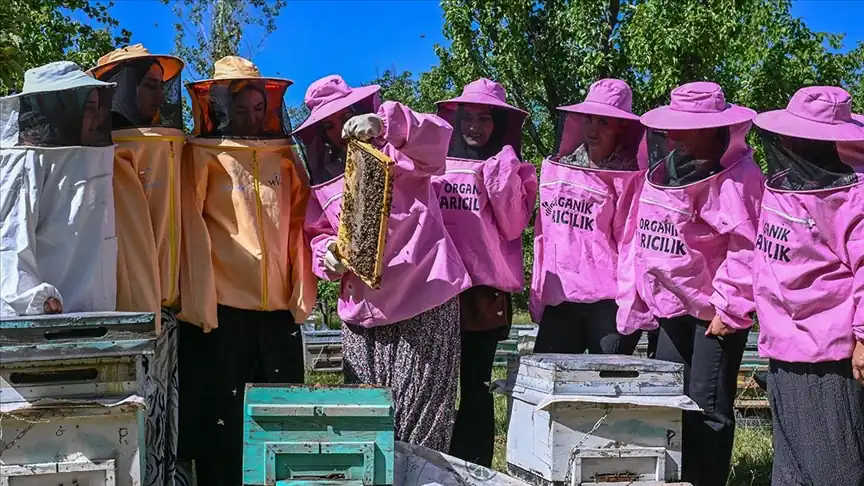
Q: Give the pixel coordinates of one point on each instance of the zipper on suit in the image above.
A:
(574, 184)
(259, 212)
(172, 226)
(808, 222)
(652, 202)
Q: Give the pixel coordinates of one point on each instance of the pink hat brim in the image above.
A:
(599, 109)
(335, 106)
(665, 118)
(785, 123)
(481, 99)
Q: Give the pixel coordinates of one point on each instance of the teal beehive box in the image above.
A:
(318, 435)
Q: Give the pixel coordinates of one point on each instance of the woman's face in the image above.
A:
(150, 94)
(91, 119)
(703, 143)
(476, 125)
(333, 127)
(601, 135)
(247, 113)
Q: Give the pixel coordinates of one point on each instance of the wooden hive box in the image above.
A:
(592, 419)
(317, 436)
(366, 202)
(72, 391)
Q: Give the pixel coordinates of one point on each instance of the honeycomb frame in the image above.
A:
(346, 242)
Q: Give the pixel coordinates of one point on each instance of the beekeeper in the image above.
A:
(689, 268)
(147, 125)
(809, 287)
(586, 192)
(404, 335)
(59, 251)
(246, 280)
(487, 197)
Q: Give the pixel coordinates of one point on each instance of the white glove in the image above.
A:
(331, 263)
(363, 127)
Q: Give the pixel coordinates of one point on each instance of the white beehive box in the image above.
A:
(72, 398)
(595, 419)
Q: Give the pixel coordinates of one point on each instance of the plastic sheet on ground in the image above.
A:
(421, 466)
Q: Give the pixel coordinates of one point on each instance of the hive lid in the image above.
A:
(78, 335)
(599, 375)
(598, 362)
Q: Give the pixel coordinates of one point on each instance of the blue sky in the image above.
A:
(360, 39)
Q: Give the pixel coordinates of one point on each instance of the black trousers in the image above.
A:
(574, 328)
(474, 431)
(711, 379)
(249, 346)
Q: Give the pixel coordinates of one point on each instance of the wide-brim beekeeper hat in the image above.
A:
(171, 66)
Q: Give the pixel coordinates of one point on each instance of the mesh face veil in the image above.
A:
(67, 118)
(481, 131)
(325, 158)
(798, 164)
(619, 137)
(678, 160)
(143, 97)
(240, 108)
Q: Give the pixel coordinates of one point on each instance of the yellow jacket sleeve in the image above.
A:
(304, 284)
(137, 260)
(197, 283)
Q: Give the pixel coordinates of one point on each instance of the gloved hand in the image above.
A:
(363, 127)
(331, 262)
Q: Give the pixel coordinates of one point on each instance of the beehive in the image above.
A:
(584, 420)
(366, 201)
(315, 436)
(72, 395)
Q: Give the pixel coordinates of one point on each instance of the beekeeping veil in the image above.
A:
(695, 107)
(325, 158)
(815, 143)
(460, 113)
(606, 99)
(148, 88)
(237, 103)
(56, 158)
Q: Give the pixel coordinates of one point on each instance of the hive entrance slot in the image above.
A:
(42, 377)
(88, 332)
(616, 478)
(619, 374)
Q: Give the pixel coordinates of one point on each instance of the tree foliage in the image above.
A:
(208, 30)
(36, 32)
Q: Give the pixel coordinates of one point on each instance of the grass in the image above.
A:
(751, 461)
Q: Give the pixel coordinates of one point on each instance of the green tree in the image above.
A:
(208, 30)
(36, 32)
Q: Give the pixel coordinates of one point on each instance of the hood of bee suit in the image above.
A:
(608, 98)
(508, 120)
(694, 106)
(58, 238)
(815, 143)
(238, 103)
(160, 91)
(324, 98)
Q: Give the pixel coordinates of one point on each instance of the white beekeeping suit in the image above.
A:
(56, 197)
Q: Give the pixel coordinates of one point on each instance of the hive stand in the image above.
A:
(595, 420)
(318, 436)
(72, 397)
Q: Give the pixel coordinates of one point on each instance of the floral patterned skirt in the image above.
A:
(418, 359)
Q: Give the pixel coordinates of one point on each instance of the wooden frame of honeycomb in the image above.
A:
(366, 200)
